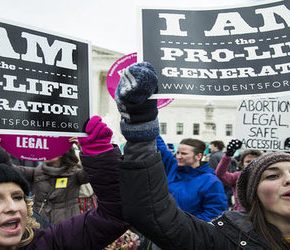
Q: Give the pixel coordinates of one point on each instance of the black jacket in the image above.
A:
(149, 207)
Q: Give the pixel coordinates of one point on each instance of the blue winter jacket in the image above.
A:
(196, 190)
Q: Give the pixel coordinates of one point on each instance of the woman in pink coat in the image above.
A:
(230, 179)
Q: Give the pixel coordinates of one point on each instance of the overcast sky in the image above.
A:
(110, 24)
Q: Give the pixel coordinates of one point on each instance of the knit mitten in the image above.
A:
(233, 146)
(98, 138)
(139, 114)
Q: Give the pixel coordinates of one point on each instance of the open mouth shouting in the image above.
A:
(11, 227)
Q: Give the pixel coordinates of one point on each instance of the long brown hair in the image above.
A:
(270, 233)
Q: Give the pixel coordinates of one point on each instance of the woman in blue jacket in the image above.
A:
(195, 187)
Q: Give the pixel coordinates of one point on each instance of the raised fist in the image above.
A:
(233, 146)
(138, 82)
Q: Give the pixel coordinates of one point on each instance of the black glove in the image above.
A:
(139, 114)
(287, 143)
(233, 146)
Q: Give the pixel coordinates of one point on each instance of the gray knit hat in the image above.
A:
(251, 175)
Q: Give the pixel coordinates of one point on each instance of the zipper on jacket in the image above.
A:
(42, 205)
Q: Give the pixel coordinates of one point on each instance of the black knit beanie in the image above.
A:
(250, 176)
(5, 157)
(9, 174)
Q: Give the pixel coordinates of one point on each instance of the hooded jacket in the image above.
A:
(55, 190)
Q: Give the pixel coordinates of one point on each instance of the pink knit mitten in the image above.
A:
(98, 138)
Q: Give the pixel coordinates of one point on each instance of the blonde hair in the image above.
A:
(30, 225)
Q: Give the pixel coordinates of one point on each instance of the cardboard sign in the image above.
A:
(35, 148)
(44, 82)
(264, 123)
(218, 52)
(115, 72)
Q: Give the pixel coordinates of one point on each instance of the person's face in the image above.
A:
(186, 157)
(274, 192)
(213, 148)
(13, 214)
(247, 160)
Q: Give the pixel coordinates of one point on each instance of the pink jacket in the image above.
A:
(229, 179)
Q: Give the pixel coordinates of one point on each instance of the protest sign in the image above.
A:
(263, 123)
(35, 148)
(115, 72)
(44, 82)
(222, 53)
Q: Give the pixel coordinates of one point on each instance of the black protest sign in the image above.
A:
(44, 82)
(264, 123)
(222, 52)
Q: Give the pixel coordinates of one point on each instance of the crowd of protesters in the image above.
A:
(171, 201)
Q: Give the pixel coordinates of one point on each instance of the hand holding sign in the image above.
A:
(99, 137)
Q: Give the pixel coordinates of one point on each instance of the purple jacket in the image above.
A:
(96, 228)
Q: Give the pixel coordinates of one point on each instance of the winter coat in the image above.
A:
(215, 158)
(196, 190)
(148, 206)
(229, 179)
(96, 228)
(55, 190)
